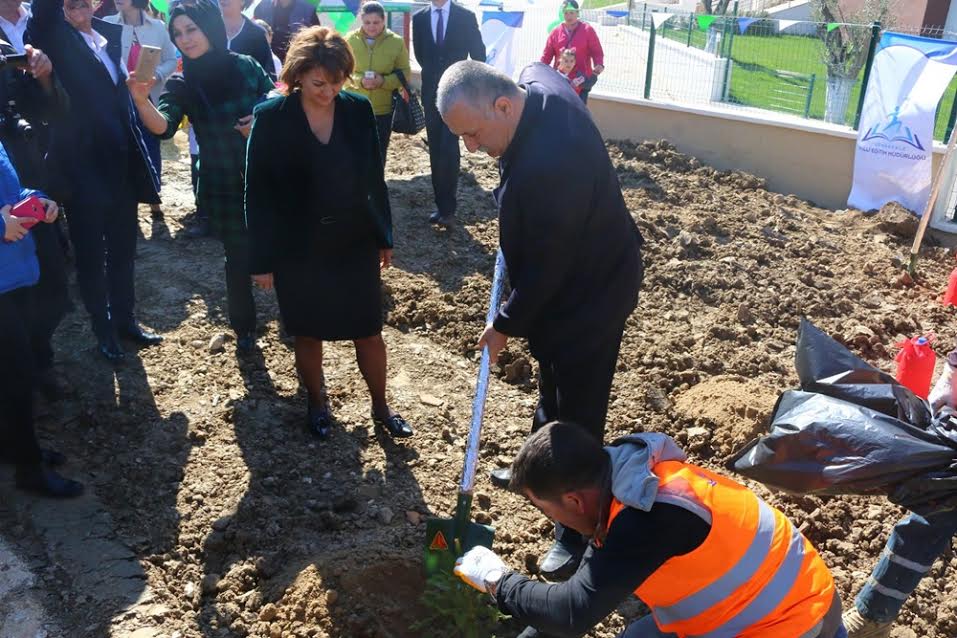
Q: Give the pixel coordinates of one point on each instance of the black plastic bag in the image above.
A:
(825, 366)
(845, 437)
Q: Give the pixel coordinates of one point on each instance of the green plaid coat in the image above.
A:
(222, 161)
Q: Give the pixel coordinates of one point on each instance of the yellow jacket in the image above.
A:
(387, 53)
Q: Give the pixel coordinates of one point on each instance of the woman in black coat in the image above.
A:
(318, 211)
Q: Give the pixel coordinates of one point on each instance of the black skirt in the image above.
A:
(332, 292)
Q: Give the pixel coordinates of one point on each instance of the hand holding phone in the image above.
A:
(30, 211)
(147, 62)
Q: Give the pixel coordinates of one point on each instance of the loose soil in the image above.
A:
(242, 524)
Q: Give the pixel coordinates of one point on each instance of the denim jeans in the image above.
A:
(914, 545)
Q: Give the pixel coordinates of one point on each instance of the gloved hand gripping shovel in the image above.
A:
(448, 538)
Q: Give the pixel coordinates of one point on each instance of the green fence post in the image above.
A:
(690, 27)
(875, 38)
(810, 94)
(727, 41)
(644, 15)
(651, 61)
(951, 120)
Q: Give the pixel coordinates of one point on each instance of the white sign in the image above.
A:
(895, 140)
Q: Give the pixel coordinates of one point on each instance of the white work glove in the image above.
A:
(481, 568)
(942, 395)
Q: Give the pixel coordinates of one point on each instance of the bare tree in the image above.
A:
(846, 47)
(716, 7)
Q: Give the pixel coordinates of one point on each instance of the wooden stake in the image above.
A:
(929, 209)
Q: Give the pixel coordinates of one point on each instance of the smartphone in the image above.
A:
(147, 62)
(15, 61)
(30, 210)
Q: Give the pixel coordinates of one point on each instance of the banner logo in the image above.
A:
(893, 130)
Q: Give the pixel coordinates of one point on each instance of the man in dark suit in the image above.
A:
(98, 163)
(442, 35)
(571, 247)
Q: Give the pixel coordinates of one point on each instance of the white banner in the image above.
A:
(784, 24)
(498, 33)
(896, 137)
(660, 18)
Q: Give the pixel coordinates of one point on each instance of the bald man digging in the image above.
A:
(572, 250)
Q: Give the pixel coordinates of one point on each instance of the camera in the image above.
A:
(12, 123)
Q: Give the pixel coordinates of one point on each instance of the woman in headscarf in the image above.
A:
(217, 91)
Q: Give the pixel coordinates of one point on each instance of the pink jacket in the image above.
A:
(583, 39)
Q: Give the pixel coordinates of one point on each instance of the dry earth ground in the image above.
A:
(213, 513)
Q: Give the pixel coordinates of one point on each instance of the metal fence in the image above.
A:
(808, 70)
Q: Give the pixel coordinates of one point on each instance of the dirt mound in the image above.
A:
(246, 525)
(728, 411)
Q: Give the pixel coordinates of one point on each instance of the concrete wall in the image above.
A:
(811, 160)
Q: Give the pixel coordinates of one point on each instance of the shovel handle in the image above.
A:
(481, 387)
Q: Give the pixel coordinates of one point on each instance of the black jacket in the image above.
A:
(570, 244)
(462, 40)
(99, 140)
(279, 171)
(251, 40)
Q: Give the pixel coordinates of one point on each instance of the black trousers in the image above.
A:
(104, 242)
(51, 297)
(18, 439)
(575, 386)
(383, 124)
(444, 159)
(240, 305)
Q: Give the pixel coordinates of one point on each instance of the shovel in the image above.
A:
(448, 538)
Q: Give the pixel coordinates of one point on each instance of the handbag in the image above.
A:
(407, 114)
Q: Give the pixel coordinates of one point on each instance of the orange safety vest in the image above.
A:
(754, 575)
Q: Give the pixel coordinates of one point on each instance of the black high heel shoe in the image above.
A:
(395, 425)
(320, 422)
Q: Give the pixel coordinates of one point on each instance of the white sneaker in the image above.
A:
(859, 627)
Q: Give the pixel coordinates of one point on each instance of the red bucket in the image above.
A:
(915, 365)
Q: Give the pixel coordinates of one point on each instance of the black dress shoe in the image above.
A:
(320, 422)
(561, 561)
(110, 350)
(200, 229)
(46, 482)
(50, 458)
(395, 425)
(440, 219)
(501, 477)
(135, 333)
(246, 342)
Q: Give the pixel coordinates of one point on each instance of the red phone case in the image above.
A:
(31, 210)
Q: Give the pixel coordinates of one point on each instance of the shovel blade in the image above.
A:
(444, 544)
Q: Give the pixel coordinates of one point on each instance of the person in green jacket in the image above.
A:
(379, 53)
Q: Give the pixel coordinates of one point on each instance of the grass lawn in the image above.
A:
(598, 4)
(755, 80)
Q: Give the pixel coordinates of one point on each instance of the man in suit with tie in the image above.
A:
(442, 35)
(98, 164)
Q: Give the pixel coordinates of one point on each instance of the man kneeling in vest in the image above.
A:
(708, 556)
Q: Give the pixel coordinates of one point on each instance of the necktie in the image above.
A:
(439, 29)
